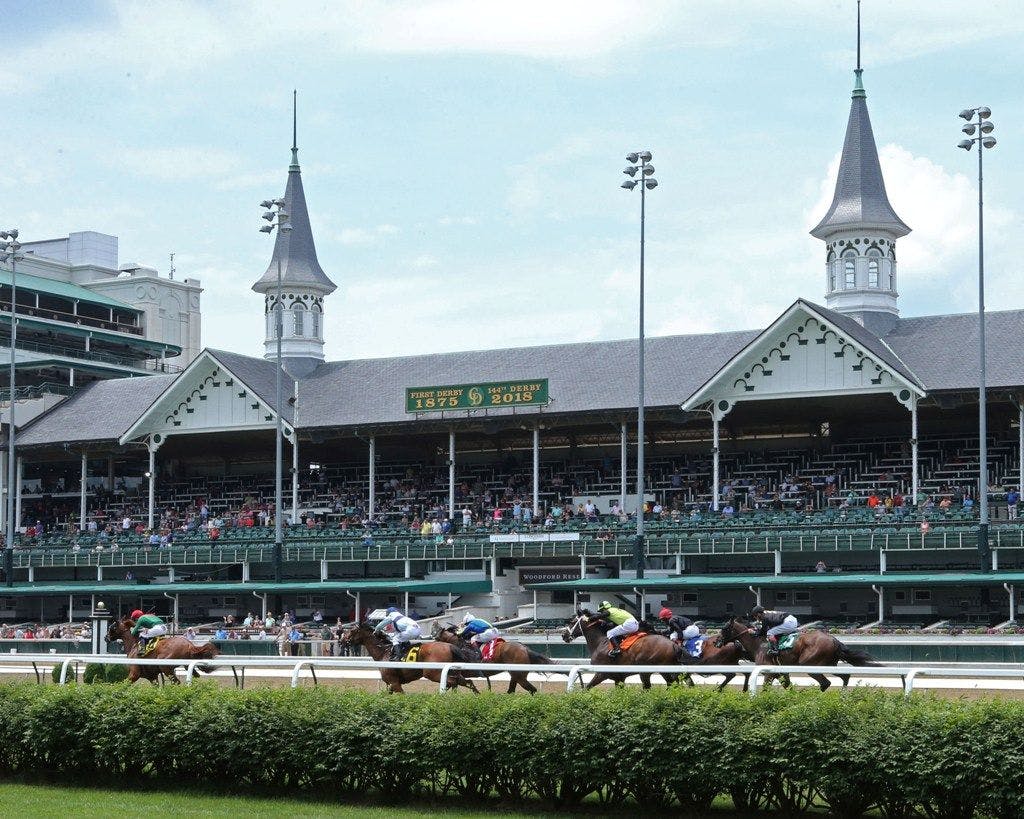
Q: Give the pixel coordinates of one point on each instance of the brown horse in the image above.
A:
(507, 651)
(379, 647)
(810, 648)
(718, 652)
(169, 648)
(652, 649)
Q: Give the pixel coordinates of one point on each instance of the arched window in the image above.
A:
(872, 272)
(849, 273)
(314, 323)
(297, 312)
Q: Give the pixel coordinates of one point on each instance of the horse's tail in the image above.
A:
(536, 658)
(853, 656)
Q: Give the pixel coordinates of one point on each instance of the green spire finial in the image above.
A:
(858, 85)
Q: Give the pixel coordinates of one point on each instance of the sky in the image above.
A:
(462, 158)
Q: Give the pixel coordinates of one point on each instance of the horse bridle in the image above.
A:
(576, 624)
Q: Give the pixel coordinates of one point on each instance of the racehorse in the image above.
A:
(167, 648)
(379, 647)
(652, 649)
(718, 652)
(506, 651)
(810, 648)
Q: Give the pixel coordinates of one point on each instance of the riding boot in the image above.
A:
(142, 647)
(396, 652)
(614, 651)
(773, 646)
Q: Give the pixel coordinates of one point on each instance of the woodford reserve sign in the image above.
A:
(490, 395)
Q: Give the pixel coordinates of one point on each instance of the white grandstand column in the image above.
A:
(451, 474)
(913, 451)
(81, 492)
(536, 472)
(995, 560)
(714, 464)
(583, 567)
(31, 573)
(407, 568)
(881, 561)
(323, 570)
(170, 574)
(17, 491)
(1012, 592)
(623, 454)
(370, 507)
(3, 492)
(99, 574)
(880, 591)
(245, 571)
(295, 457)
(151, 475)
(778, 562)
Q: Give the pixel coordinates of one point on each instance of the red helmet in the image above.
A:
(665, 614)
(135, 615)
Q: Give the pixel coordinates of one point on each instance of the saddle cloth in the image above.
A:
(786, 642)
(412, 655)
(487, 649)
(152, 644)
(630, 639)
(695, 646)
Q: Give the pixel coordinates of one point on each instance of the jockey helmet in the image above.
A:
(135, 615)
(665, 614)
(468, 618)
(605, 605)
(756, 611)
(392, 610)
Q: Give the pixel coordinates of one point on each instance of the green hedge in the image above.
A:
(660, 750)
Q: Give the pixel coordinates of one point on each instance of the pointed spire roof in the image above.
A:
(860, 199)
(295, 248)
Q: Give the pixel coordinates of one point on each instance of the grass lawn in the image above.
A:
(82, 803)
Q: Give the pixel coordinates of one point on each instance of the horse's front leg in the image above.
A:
(725, 682)
(645, 681)
(597, 680)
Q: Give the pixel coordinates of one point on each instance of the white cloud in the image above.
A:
(179, 162)
(365, 236)
(448, 221)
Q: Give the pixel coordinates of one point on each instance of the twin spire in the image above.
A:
(860, 200)
(295, 249)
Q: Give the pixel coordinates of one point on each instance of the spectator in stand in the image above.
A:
(590, 510)
(467, 517)
(728, 511)
(221, 633)
(1012, 502)
(968, 502)
(820, 567)
(527, 514)
(873, 500)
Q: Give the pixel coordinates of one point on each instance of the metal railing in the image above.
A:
(908, 675)
(92, 355)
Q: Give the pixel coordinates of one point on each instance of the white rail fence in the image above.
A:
(574, 672)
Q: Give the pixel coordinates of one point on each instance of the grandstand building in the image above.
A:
(83, 317)
(837, 446)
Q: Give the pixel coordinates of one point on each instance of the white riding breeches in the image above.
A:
(406, 635)
(788, 626)
(485, 636)
(629, 627)
(155, 631)
(690, 632)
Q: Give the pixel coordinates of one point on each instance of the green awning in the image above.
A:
(122, 589)
(816, 580)
(64, 290)
(84, 330)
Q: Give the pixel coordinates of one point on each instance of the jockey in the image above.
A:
(624, 623)
(478, 631)
(680, 628)
(774, 624)
(403, 631)
(146, 626)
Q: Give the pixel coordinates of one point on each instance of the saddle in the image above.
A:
(150, 645)
(487, 649)
(630, 639)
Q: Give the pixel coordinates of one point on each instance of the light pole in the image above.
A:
(639, 164)
(9, 247)
(979, 132)
(277, 218)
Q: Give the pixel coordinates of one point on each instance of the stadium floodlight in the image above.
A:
(277, 217)
(639, 161)
(982, 126)
(9, 247)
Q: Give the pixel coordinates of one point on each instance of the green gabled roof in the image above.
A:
(823, 579)
(53, 287)
(142, 589)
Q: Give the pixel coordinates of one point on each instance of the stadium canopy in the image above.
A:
(815, 580)
(319, 586)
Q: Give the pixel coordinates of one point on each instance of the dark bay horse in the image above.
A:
(810, 648)
(652, 649)
(718, 652)
(379, 647)
(168, 648)
(507, 651)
